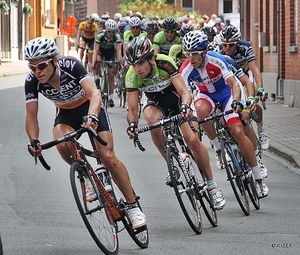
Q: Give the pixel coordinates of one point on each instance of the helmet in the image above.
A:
(101, 22)
(217, 39)
(195, 41)
(122, 25)
(211, 46)
(105, 16)
(135, 21)
(117, 16)
(169, 23)
(89, 18)
(185, 29)
(94, 16)
(209, 31)
(230, 34)
(152, 27)
(138, 49)
(110, 25)
(40, 47)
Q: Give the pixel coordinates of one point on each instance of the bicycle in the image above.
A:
(120, 87)
(102, 82)
(239, 173)
(102, 215)
(187, 178)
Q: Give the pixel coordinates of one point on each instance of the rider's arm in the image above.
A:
(236, 91)
(181, 88)
(95, 52)
(78, 36)
(93, 94)
(249, 85)
(118, 51)
(256, 73)
(31, 123)
(132, 103)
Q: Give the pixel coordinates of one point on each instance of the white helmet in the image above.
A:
(40, 47)
(94, 16)
(135, 21)
(195, 41)
(110, 25)
(117, 16)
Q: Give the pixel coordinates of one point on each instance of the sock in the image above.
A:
(256, 173)
(216, 143)
(260, 127)
(257, 155)
(110, 96)
(211, 184)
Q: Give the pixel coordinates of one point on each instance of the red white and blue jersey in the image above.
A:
(211, 78)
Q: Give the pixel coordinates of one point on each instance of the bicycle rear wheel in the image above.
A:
(185, 192)
(234, 176)
(104, 90)
(201, 188)
(95, 215)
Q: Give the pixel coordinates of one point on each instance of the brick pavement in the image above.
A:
(282, 123)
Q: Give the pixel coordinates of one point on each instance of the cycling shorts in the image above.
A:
(88, 42)
(73, 117)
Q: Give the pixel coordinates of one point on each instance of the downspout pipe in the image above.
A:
(278, 51)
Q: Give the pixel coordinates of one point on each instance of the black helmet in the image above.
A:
(152, 27)
(185, 29)
(138, 49)
(209, 31)
(230, 34)
(169, 23)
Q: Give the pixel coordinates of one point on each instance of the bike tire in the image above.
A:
(235, 179)
(95, 215)
(201, 188)
(140, 103)
(104, 91)
(185, 193)
(251, 190)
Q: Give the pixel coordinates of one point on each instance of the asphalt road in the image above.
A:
(38, 215)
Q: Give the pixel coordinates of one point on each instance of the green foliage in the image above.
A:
(151, 8)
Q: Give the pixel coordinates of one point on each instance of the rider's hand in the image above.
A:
(34, 148)
(251, 103)
(262, 94)
(186, 111)
(132, 130)
(76, 48)
(91, 120)
(237, 106)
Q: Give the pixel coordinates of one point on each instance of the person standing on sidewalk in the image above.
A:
(67, 84)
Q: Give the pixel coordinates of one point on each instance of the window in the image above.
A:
(188, 5)
(49, 17)
(227, 6)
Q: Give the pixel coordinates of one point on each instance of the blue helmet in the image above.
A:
(195, 41)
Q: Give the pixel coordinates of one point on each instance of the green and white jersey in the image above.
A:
(106, 43)
(160, 42)
(128, 35)
(164, 68)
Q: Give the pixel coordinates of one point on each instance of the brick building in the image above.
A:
(272, 26)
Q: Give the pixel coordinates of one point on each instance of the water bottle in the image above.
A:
(102, 173)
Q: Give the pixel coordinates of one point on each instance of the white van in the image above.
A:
(233, 17)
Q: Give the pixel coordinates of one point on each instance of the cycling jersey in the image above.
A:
(236, 69)
(88, 33)
(177, 53)
(106, 43)
(243, 54)
(70, 95)
(128, 35)
(160, 42)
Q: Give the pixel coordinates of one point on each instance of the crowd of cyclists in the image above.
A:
(177, 38)
(181, 68)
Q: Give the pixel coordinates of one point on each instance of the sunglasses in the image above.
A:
(111, 32)
(169, 31)
(135, 27)
(229, 44)
(40, 66)
(192, 54)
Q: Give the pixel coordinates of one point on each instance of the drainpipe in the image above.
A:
(242, 18)
(278, 51)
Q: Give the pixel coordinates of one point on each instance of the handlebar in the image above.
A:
(68, 137)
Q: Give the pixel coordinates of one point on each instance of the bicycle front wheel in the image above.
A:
(235, 178)
(251, 190)
(95, 214)
(185, 192)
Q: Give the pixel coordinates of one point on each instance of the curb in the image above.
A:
(288, 156)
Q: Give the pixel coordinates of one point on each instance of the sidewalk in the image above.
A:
(282, 123)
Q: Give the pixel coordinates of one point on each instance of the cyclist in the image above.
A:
(163, 40)
(86, 34)
(242, 52)
(215, 82)
(176, 51)
(108, 48)
(158, 76)
(151, 29)
(210, 32)
(67, 84)
(101, 24)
